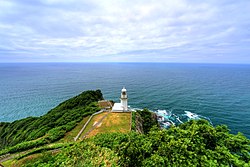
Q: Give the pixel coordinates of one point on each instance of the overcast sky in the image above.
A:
(210, 31)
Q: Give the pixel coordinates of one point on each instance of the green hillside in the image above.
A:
(35, 131)
(195, 143)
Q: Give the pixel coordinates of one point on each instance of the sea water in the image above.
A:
(216, 91)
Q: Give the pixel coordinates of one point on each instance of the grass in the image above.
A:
(31, 158)
(8, 163)
(20, 159)
(114, 122)
(96, 118)
(69, 136)
(55, 146)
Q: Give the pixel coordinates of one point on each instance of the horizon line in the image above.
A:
(125, 62)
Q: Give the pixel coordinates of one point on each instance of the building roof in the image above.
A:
(118, 107)
(104, 104)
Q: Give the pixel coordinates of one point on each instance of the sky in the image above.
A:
(179, 31)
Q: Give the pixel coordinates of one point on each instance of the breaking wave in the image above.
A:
(167, 118)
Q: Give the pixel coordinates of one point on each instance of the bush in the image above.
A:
(149, 119)
(186, 145)
(83, 154)
(195, 143)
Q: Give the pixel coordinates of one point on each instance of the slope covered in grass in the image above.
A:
(34, 131)
(114, 122)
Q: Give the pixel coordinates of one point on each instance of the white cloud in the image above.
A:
(122, 30)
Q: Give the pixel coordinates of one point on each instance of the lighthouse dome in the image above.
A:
(124, 90)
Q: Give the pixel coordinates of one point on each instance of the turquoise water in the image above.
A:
(220, 92)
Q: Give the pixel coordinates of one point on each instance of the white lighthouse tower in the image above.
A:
(123, 105)
(124, 99)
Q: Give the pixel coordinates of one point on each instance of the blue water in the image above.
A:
(219, 92)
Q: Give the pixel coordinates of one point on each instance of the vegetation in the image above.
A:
(114, 122)
(195, 143)
(69, 136)
(149, 119)
(133, 123)
(36, 131)
(55, 146)
(85, 154)
(143, 121)
(96, 118)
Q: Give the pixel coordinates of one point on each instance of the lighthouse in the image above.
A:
(123, 105)
(124, 99)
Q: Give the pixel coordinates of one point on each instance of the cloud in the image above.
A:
(141, 30)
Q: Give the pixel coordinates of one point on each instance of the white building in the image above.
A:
(123, 105)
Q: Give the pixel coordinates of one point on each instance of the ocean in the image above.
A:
(220, 92)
